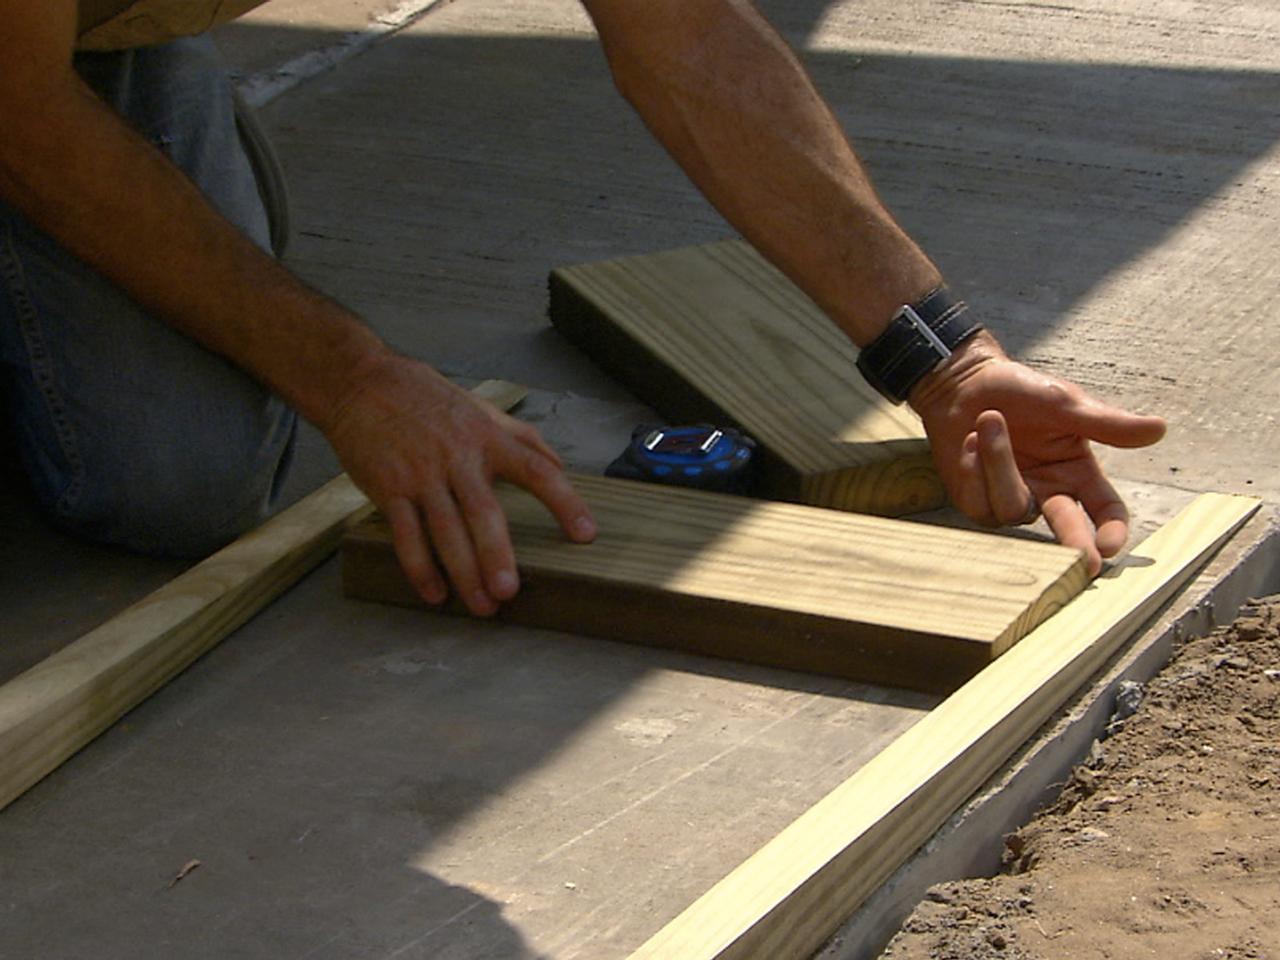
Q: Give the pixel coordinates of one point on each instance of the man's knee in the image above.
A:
(177, 496)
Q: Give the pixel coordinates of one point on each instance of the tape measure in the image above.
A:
(701, 456)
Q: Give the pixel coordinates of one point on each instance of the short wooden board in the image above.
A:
(869, 598)
(714, 333)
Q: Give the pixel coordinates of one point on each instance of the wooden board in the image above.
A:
(868, 598)
(715, 333)
(62, 703)
(792, 894)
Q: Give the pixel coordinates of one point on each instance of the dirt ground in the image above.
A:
(1166, 842)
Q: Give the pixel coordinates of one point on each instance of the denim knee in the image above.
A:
(130, 432)
(177, 492)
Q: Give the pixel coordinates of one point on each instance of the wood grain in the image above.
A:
(715, 333)
(857, 596)
(62, 703)
(790, 896)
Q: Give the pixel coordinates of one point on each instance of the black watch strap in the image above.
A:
(920, 337)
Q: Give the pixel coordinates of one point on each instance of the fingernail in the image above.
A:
(584, 528)
(505, 584)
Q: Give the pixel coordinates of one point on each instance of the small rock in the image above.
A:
(1097, 756)
(1271, 674)
(1085, 779)
(997, 939)
(1251, 628)
(1128, 699)
(939, 895)
(1092, 834)
(1015, 843)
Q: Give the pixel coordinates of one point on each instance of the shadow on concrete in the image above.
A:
(436, 182)
(440, 209)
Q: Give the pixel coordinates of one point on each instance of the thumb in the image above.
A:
(1113, 426)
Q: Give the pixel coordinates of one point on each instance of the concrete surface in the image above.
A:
(1098, 178)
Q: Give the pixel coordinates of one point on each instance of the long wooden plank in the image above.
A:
(800, 587)
(789, 897)
(62, 703)
(715, 333)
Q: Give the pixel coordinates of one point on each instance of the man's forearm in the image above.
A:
(729, 100)
(78, 172)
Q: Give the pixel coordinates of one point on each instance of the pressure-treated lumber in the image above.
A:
(59, 705)
(863, 597)
(790, 896)
(715, 333)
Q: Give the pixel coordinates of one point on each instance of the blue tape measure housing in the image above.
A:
(702, 456)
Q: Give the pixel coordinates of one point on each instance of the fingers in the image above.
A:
(994, 491)
(452, 538)
(1008, 496)
(991, 489)
(1113, 426)
(546, 481)
(413, 552)
(468, 530)
(1105, 508)
(487, 529)
(1067, 520)
(469, 527)
(460, 516)
(970, 490)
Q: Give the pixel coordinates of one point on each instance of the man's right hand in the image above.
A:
(1005, 436)
(427, 453)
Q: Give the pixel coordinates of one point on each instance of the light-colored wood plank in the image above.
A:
(715, 333)
(800, 587)
(62, 703)
(793, 893)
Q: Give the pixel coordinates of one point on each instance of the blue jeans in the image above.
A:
(130, 432)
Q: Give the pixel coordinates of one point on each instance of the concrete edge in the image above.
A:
(970, 843)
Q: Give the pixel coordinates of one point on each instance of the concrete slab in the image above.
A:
(360, 780)
(1098, 178)
(1121, 195)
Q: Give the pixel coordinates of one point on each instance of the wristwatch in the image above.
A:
(920, 336)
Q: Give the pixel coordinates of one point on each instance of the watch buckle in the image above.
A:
(917, 321)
